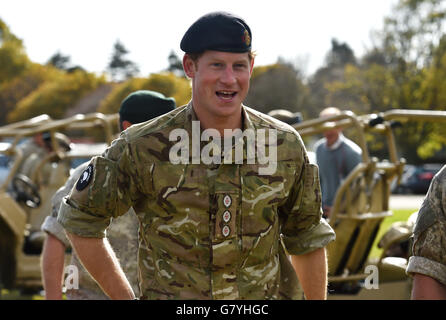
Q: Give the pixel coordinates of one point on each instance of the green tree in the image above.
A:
(13, 59)
(340, 55)
(326, 79)
(119, 67)
(413, 30)
(59, 61)
(11, 92)
(277, 86)
(56, 96)
(175, 65)
(166, 83)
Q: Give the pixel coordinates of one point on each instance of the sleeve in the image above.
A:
(105, 189)
(304, 230)
(354, 157)
(429, 238)
(50, 224)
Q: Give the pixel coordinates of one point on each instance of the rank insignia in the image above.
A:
(226, 231)
(227, 201)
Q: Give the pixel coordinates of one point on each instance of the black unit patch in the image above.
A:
(85, 178)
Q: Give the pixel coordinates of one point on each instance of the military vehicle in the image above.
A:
(361, 204)
(29, 184)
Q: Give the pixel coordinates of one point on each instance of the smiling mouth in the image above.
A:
(226, 95)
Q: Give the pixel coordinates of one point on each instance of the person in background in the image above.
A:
(336, 157)
(122, 233)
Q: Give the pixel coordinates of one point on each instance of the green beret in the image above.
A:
(220, 31)
(143, 105)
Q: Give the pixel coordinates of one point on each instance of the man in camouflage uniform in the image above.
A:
(123, 231)
(427, 264)
(215, 230)
(34, 149)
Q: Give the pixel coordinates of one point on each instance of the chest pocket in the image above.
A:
(262, 195)
(175, 215)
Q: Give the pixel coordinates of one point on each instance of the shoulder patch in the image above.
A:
(85, 178)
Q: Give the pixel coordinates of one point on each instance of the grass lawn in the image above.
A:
(398, 215)
(17, 295)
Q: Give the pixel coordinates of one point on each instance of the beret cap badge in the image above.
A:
(246, 38)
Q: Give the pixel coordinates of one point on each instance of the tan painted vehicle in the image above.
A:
(361, 204)
(28, 180)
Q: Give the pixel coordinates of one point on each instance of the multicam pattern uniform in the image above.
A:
(181, 209)
(122, 235)
(429, 247)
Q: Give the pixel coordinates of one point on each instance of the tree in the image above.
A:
(340, 55)
(11, 92)
(414, 30)
(325, 81)
(13, 59)
(59, 61)
(166, 83)
(56, 96)
(120, 67)
(175, 65)
(277, 86)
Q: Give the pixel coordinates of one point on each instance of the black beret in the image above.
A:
(220, 31)
(143, 105)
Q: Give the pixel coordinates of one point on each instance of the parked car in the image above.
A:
(4, 162)
(417, 179)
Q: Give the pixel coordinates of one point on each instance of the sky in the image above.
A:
(299, 31)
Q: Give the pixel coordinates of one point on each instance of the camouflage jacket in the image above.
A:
(122, 235)
(429, 243)
(213, 231)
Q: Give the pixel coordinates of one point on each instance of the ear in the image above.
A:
(252, 66)
(188, 66)
(126, 124)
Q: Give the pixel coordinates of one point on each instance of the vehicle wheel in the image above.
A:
(26, 191)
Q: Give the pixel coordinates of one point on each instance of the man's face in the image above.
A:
(220, 82)
(332, 136)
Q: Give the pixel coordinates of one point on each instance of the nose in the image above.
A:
(228, 76)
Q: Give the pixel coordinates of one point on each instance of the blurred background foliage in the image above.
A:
(165, 83)
(405, 67)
